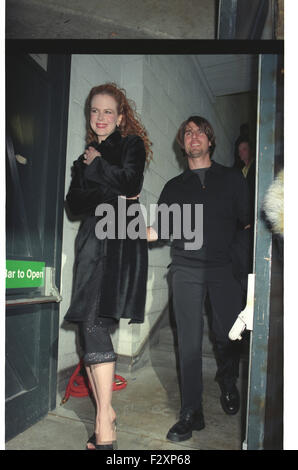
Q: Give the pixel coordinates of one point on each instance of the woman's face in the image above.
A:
(104, 116)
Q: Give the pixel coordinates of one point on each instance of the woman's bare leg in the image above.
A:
(102, 379)
(90, 377)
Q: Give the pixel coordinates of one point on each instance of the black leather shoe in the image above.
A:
(182, 430)
(230, 400)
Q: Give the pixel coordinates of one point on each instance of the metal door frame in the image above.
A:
(265, 156)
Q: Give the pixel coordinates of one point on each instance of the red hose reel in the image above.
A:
(79, 385)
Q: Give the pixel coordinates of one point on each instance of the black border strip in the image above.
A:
(144, 46)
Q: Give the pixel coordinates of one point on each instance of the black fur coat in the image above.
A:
(110, 275)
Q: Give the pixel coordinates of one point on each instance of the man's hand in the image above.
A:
(151, 234)
(132, 197)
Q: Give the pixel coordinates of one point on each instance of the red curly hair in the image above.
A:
(130, 123)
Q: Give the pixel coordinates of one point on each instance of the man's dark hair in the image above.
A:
(244, 139)
(204, 125)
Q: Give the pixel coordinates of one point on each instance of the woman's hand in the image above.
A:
(90, 154)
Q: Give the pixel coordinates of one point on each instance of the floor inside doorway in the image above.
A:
(146, 409)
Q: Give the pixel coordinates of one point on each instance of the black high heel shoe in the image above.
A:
(91, 440)
(104, 446)
(107, 446)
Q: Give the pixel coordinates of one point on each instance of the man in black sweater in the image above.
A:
(208, 263)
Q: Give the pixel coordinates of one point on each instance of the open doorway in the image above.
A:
(166, 89)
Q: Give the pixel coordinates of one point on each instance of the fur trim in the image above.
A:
(274, 204)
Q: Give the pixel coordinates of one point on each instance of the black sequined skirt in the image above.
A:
(96, 341)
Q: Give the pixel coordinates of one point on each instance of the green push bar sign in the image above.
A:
(21, 274)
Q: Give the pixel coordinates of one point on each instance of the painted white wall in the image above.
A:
(166, 90)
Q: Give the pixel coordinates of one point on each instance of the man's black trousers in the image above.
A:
(190, 286)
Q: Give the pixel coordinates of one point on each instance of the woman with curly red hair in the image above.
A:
(110, 272)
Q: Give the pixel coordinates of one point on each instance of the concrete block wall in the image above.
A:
(166, 90)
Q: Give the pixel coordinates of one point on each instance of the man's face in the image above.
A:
(244, 151)
(196, 143)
